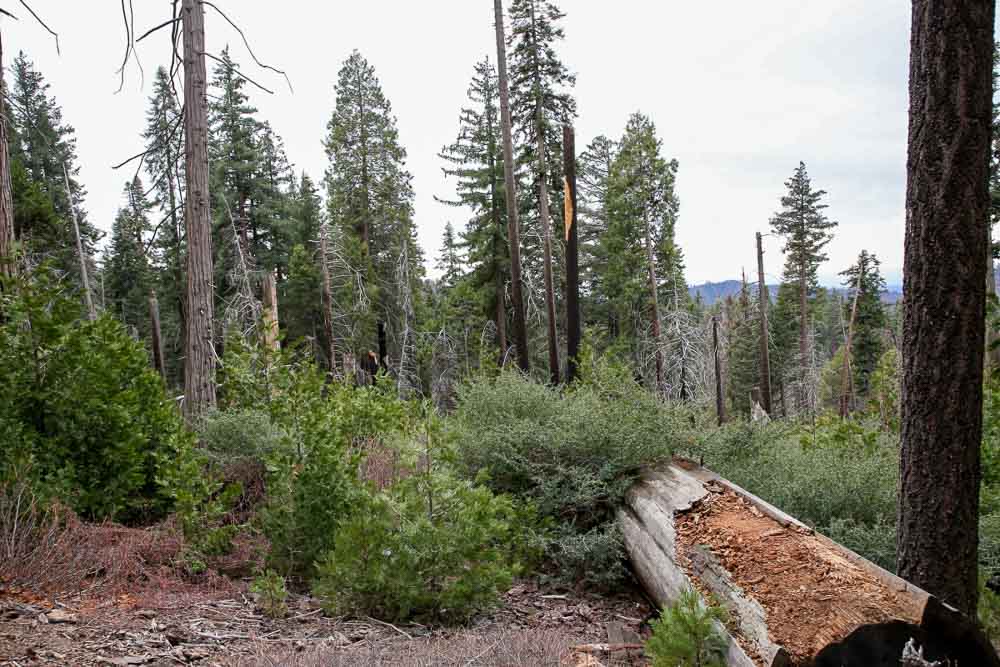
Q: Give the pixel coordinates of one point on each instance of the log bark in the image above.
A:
(666, 567)
(947, 213)
(199, 361)
(520, 332)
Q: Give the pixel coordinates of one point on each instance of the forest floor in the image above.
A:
(220, 625)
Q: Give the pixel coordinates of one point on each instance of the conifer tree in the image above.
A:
(370, 199)
(449, 262)
(42, 143)
(475, 160)
(642, 258)
(867, 337)
(128, 275)
(744, 357)
(594, 170)
(806, 231)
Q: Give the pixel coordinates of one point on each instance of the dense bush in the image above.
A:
(571, 453)
(82, 403)
(240, 434)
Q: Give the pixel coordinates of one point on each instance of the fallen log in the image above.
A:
(794, 597)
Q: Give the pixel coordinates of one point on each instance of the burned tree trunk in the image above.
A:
(513, 229)
(573, 333)
(947, 212)
(199, 361)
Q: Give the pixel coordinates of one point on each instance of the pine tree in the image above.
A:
(806, 231)
(642, 258)
(370, 199)
(42, 144)
(867, 338)
(165, 165)
(449, 262)
(128, 277)
(475, 160)
(744, 356)
(594, 171)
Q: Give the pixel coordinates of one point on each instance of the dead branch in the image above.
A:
(246, 43)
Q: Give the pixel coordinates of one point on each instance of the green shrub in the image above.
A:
(572, 455)
(241, 433)
(687, 634)
(432, 546)
(81, 401)
(269, 588)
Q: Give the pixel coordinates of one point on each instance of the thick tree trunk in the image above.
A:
(765, 354)
(199, 361)
(947, 212)
(80, 254)
(327, 301)
(270, 316)
(8, 266)
(655, 304)
(573, 329)
(156, 338)
(513, 229)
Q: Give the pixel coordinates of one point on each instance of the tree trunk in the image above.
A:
(655, 304)
(765, 354)
(513, 229)
(80, 254)
(992, 335)
(803, 340)
(156, 339)
(501, 310)
(543, 211)
(573, 330)
(720, 401)
(845, 380)
(270, 316)
(327, 300)
(947, 206)
(199, 361)
(8, 266)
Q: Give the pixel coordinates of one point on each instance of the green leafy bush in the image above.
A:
(687, 634)
(431, 546)
(572, 455)
(81, 401)
(240, 434)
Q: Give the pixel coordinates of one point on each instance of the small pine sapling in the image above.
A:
(686, 634)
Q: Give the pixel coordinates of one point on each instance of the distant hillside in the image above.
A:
(712, 292)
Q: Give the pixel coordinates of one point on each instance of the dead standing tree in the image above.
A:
(513, 229)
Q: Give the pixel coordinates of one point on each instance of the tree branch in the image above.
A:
(247, 44)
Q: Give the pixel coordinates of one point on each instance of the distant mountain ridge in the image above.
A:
(712, 292)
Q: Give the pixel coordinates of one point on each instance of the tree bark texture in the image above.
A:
(947, 213)
(573, 328)
(199, 361)
(513, 229)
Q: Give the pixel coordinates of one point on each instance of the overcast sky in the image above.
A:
(739, 92)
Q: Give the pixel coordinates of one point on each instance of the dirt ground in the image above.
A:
(812, 595)
(533, 626)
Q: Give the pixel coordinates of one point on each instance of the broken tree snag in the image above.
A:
(270, 312)
(794, 597)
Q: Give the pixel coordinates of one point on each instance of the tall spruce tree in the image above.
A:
(806, 231)
(449, 262)
(642, 258)
(475, 160)
(128, 276)
(370, 199)
(594, 172)
(865, 280)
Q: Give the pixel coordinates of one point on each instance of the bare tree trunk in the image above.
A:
(513, 229)
(947, 206)
(270, 303)
(765, 354)
(501, 315)
(327, 299)
(199, 362)
(501, 310)
(720, 401)
(543, 210)
(8, 267)
(655, 301)
(845, 381)
(156, 339)
(80, 254)
(573, 330)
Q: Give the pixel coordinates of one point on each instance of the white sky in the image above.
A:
(739, 91)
